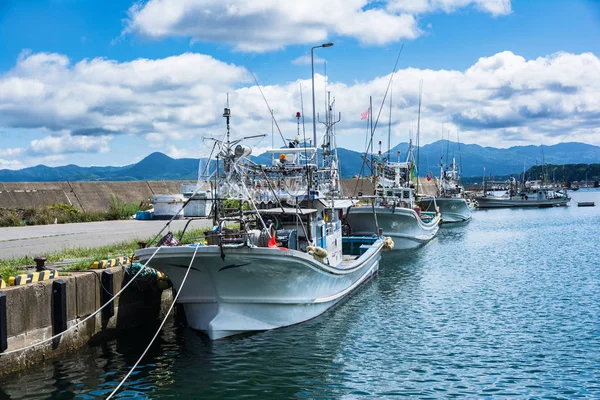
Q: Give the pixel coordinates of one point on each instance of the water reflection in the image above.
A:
(504, 306)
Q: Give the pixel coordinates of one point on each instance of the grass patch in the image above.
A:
(86, 256)
(191, 235)
(6, 271)
(64, 214)
(121, 210)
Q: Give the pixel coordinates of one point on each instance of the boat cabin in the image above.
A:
(300, 228)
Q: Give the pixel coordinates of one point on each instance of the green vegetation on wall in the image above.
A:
(64, 213)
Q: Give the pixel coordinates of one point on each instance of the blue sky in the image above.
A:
(108, 82)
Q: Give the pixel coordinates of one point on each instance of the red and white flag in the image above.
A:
(364, 115)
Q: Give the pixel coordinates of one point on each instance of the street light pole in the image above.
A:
(312, 64)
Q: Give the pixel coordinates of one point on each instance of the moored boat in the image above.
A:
(450, 199)
(394, 211)
(539, 198)
(405, 226)
(452, 209)
(244, 287)
(261, 268)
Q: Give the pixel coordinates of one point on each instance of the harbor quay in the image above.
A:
(41, 305)
(37, 240)
(30, 315)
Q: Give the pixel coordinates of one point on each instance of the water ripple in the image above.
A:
(505, 306)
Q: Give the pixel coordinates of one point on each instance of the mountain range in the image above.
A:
(472, 157)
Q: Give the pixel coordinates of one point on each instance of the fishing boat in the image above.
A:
(394, 212)
(264, 268)
(524, 194)
(393, 208)
(451, 201)
(535, 198)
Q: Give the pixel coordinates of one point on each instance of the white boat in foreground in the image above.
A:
(259, 288)
(273, 267)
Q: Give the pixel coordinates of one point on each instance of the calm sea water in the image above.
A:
(506, 305)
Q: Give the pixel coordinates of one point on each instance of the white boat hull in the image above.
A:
(256, 289)
(452, 209)
(503, 202)
(403, 225)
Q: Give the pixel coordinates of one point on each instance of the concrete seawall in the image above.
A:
(32, 314)
(97, 196)
(86, 196)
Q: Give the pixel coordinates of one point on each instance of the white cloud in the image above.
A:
(104, 97)
(11, 164)
(494, 7)
(306, 60)
(263, 25)
(64, 144)
(501, 100)
(10, 152)
(52, 160)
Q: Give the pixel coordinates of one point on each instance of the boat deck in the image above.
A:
(348, 259)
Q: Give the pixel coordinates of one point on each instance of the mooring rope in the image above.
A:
(159, 328)
(86, 318)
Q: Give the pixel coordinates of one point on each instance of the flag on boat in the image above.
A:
(364, 115)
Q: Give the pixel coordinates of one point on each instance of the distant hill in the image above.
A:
(158, 166)
(473, 158)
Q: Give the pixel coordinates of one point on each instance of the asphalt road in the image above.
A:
(36, 240)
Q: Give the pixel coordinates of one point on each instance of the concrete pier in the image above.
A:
(32, 314)
(85, 196)
(36, 240)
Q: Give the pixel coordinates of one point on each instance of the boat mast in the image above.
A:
(459, 157)
(447, 146)
(303, 127)
(390, 125)
(418, 135)
(544, 180)
(369, 146)
(329, 159)
(523, 179)
(372, 132)
(441, 175)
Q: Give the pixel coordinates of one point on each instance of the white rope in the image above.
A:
(159, 328)
(86, 318)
